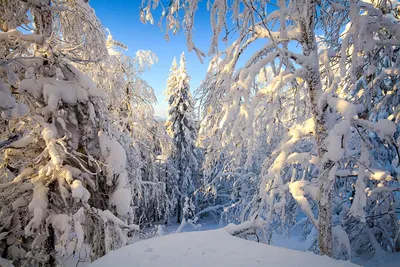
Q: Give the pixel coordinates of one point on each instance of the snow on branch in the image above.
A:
(14, 35)
(246, 227)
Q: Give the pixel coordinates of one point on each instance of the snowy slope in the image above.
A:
(209, 249)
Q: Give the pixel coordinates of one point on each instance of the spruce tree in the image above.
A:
(181, 127)
(68, 172)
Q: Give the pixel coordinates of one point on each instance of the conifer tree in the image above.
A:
(70, 176)
(181, 127)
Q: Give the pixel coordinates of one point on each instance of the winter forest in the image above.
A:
(287, 153)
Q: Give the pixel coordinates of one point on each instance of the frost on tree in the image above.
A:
(181, 127)
(71, 172)
(326, 114)
(130, 103)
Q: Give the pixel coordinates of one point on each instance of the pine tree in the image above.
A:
(181, 127)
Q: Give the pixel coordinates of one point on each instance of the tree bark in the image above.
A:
(179, 210)
(313, 80)
(325, 210)
(49, 248)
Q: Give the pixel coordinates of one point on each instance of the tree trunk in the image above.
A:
(313, 80)
(179, 210)
(396, 234)
(325, 210)
(43, 20)
(49, 248)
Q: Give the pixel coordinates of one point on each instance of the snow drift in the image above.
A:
(210, 248)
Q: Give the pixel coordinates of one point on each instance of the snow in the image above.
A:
(342, 238)
(55, 90)
(6, 101)
(191, 222)
(24, 141)
(13, 35)
(311, 104)
(389, 260)
(87, 83)
(334, 141)
(64, 91)
(37, 206)
(121, 199)
(115, 156)
(359, 200)
(78, 218)
(209, 248)
(298, 194)
(61, 222)
(346, 109)
(33, 87)
(299, 158)
(26, 172)
(115, 165)
(20, 202)
(5, 263)
(106, 215)
(79, 192)
(379, 175)
(385, 127)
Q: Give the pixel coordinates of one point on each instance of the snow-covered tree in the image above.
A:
(182, 129)
(130, 102)
(67, 159)
(333, 73)
(72, 170)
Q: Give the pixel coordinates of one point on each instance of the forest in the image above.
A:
(293, 133)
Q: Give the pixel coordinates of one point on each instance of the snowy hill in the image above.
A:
(209, 249)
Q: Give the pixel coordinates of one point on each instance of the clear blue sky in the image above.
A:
(121, 17)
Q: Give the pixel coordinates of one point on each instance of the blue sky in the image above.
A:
(121, 17)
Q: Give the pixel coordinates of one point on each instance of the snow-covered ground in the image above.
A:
(210, 248)
(383, 260)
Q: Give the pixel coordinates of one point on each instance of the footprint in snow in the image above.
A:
(153, 257)
(150, 250)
